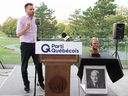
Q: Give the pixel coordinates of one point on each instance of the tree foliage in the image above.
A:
(92, 22)
(9, 27)
(0, 27)
(76, 23)
(48, 21)
(60, 28)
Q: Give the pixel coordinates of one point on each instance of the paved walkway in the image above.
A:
(12, 85)
(4, 73)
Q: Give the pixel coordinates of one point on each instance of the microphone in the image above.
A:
(38, 21)
(63, 35)
(66, 37)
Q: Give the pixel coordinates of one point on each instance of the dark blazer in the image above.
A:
(98, 85)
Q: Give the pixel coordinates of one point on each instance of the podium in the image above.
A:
(57, 73)
(58, 57)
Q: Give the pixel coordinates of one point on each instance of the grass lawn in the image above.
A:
(8, 41)
(124, 61)
(86, 49)
(11, 57)
(2, 34)
(8, 56)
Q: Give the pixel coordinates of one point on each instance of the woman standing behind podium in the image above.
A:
(27, 32)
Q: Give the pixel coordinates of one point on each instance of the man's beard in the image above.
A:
(31, 14)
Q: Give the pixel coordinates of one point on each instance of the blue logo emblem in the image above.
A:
(45, 48)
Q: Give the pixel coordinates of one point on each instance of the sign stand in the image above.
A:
(57, 74)
(58, 58)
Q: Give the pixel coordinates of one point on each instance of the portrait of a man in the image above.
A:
(95, 78)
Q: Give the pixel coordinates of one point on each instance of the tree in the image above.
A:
(9, 27)
(120, 16)
(89, 21)
(92, 22)
(48, 21)
(123, 12)
(0, 27)
(60, 28)
(76, 23)
(95, 17)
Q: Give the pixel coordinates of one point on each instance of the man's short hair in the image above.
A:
(27, 4)
(95, 71)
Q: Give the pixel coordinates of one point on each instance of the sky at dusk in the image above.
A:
(63, 8)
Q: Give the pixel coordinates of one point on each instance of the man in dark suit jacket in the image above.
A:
(94, 81)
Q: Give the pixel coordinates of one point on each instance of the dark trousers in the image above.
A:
(28, 50)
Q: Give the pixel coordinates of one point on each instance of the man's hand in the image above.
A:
(25, 28)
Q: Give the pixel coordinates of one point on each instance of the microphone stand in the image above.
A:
(2, 65)
(38, 25)
(116, 52)
(35, 82)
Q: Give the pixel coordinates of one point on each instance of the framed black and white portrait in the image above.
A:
(95, 79)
